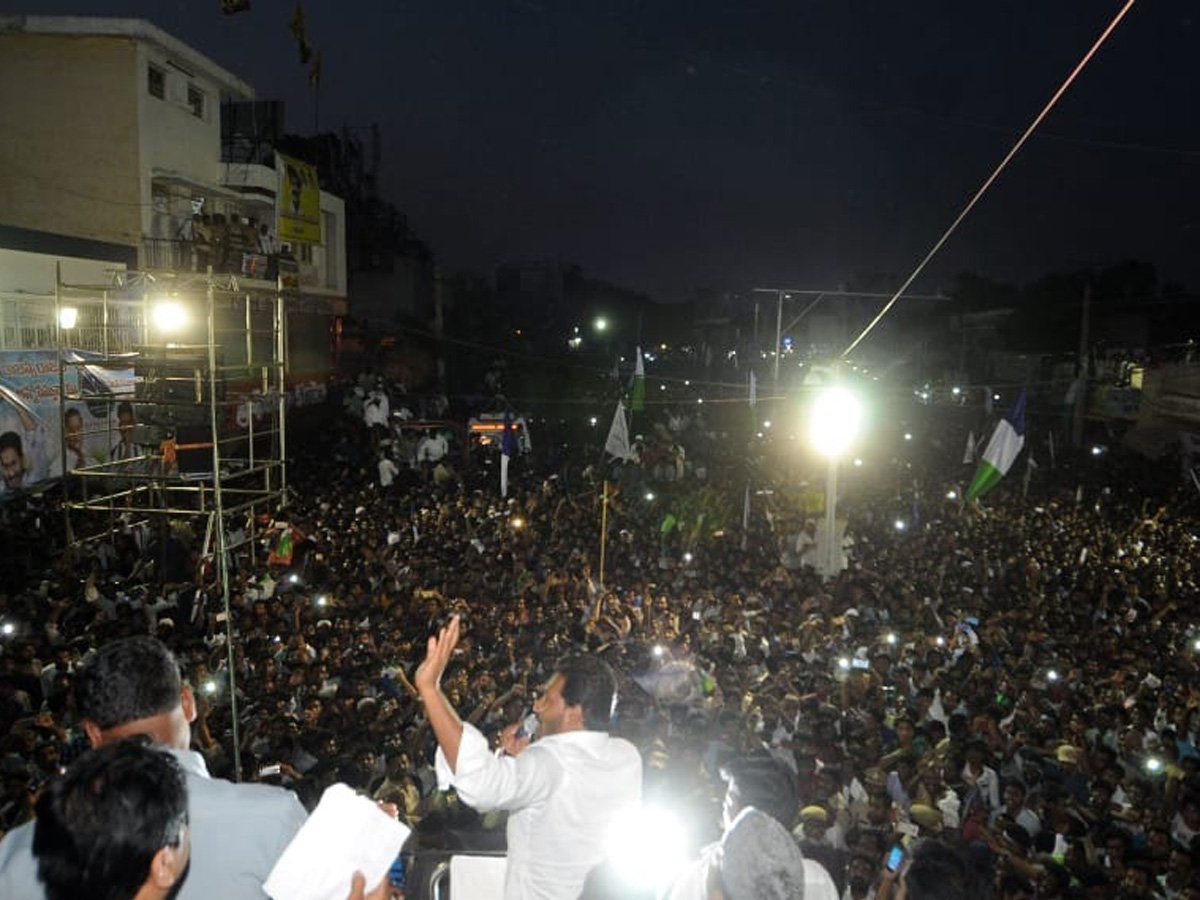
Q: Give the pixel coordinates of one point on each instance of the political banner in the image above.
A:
(31, 423)
(297, 202)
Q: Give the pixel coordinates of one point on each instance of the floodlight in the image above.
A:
(834, 420)
(169, 316)
(67, 317)
(601, 324)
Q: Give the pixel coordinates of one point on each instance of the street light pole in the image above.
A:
(778, 334)
(832, 561)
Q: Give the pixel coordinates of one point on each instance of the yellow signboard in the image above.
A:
(297, 201)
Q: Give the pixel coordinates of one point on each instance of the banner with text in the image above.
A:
(297, 201)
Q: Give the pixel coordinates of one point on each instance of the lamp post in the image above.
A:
(833, 423)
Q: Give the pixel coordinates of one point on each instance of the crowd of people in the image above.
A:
(1005, 696)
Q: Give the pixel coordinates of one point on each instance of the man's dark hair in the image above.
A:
(764, 783)
(129, 679)
(10, 440)
(73, 413)
(99, 828)
(124, 407)
(937, 872)
(589, 682)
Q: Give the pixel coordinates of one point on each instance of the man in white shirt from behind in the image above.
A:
(562, 791)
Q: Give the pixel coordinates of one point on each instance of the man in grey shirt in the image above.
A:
(238, 831)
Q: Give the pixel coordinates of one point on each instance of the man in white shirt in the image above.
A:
(387, 471)
(562, 791)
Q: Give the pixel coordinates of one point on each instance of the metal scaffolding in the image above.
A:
(199, 433)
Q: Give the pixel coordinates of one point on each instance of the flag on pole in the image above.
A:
(969, 451)
(637, 398)
(753, 389)
(508, 449)
(746, 515)
(617, 443)
(1004, 447)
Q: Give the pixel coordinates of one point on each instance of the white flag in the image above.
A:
(753, 390)
(969, 452)
(617, 443)
(503, 474)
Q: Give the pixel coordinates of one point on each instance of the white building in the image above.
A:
(110, 157)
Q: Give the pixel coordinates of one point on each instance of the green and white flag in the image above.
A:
(1004, 447)
(637, 397)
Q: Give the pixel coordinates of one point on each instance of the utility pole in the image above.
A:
(1081, 385)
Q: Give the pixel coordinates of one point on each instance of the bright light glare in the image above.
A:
(322, 600)
(833, 422)
(1153, 765)
(956, 391)
(940, 641)
(601, 324)
(169, 316)
(1052, 675)
(649, 496)
(294, 578)
(8, 628)
(767, 424)
(658, 650)
(843, 663)
(891, 637)
(592, 421)
(899, 524)
(67, 317)
(908, 435)
(210, 687)
(647, 847)
(1195, 643)
(951, 495)
(687, 557)
(518, 523)
(1097, 450)
(858, 461)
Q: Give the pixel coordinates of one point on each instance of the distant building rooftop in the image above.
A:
(185, 56)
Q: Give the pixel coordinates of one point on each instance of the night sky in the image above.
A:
(669, 146)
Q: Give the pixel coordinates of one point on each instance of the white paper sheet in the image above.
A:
(345, 834)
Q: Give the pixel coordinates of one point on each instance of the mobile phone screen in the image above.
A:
(895, 858)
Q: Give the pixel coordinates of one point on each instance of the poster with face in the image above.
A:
(34, 430)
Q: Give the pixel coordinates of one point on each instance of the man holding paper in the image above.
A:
(562, 791)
